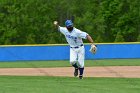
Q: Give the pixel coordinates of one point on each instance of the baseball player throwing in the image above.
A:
(74, 38)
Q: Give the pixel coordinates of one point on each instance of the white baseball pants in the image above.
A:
(77, 55)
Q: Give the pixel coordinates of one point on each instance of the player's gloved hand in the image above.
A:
(93, 48)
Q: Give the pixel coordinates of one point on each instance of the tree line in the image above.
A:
(31, 21)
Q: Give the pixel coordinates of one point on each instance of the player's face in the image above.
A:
(70, 28)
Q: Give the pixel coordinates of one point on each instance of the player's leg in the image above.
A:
(73, 61)
(81, 58)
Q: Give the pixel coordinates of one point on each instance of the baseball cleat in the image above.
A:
(80, 76)
(76, 72)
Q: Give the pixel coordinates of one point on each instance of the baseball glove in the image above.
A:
(93, 49)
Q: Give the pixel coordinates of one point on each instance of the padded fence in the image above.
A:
(61, 52)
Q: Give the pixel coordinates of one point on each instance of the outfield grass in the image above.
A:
(88, 63)
(45, 84)
(42, 84)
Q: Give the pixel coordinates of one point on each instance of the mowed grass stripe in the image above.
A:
(88, 63)
(43, 84)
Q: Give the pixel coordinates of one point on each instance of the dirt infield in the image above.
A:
(108, 71)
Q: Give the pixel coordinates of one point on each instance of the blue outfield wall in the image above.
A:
(61, 52)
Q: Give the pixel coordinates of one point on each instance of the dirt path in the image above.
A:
(109, 71)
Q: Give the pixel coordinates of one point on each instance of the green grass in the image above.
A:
(88, 63)
(43, 84)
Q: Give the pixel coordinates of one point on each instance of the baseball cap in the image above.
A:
(68, 23)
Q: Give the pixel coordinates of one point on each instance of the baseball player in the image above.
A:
(74, 38)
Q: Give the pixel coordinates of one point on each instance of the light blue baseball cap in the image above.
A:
(68, 23)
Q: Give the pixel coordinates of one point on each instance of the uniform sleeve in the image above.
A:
(61, 29)
(82, 34)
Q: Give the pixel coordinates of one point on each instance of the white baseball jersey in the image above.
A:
(74, 38)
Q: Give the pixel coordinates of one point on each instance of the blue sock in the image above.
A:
(81, 71)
